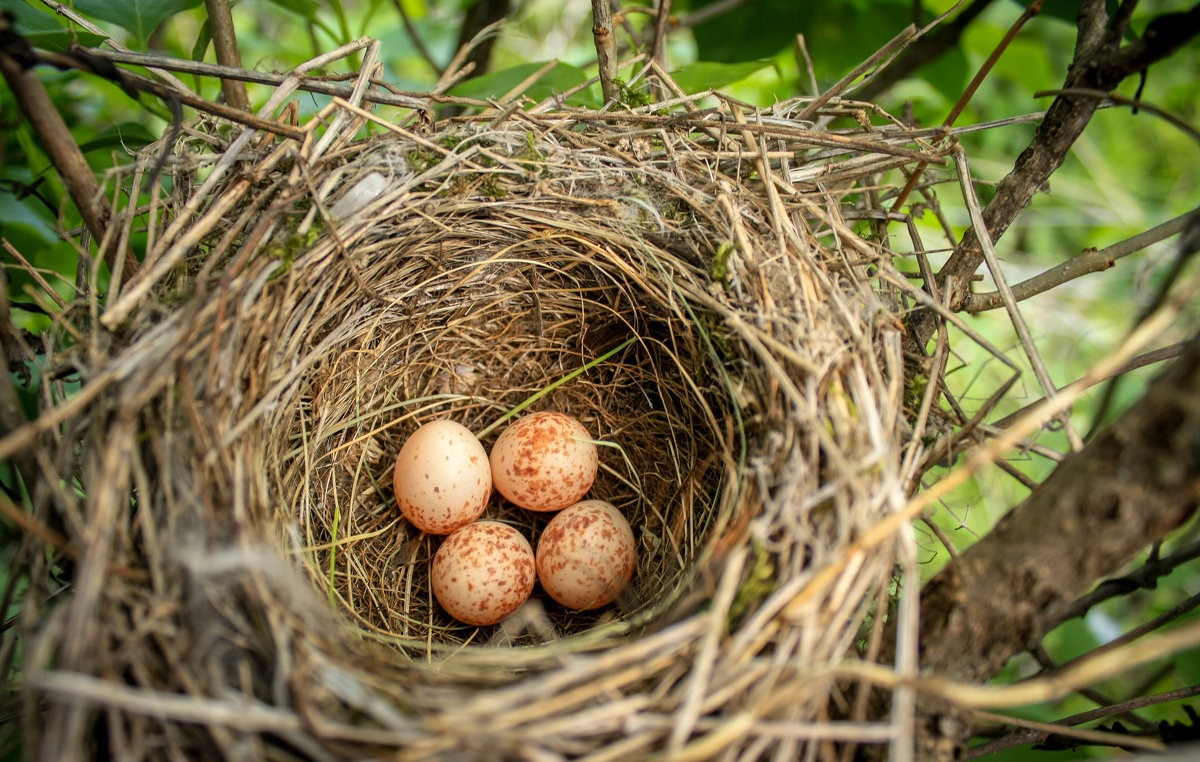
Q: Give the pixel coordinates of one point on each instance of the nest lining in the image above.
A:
(282, 353)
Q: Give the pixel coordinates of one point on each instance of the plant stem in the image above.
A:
(56, 140)
(220, 20)
(606, 49)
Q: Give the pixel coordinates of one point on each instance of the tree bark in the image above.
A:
(224, 37)
(1138, 480)
(1100, 64)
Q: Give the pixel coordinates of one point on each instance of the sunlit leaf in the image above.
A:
(139, 17)
(703, 75)
(561, 78)
(305, 8)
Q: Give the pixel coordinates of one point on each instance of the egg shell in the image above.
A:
(442, 477)
(544, 461)
(586, 555)
(483, 572)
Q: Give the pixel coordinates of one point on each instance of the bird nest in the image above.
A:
(711, 291)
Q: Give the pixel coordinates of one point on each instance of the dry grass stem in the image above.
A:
(711, 290)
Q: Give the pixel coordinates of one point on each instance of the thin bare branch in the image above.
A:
(224, 37)
(658, 53)
(56, 140)
(1086, 262)
(1032, 736)
(606, 49)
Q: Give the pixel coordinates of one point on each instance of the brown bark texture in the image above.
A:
(1138, 480)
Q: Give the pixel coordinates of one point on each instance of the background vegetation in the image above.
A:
(1129, 172)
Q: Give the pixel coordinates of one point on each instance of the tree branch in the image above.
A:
(606, 49)
(1131, 485)
(1146, 577)
(56, 140)
(662, 22)
(1099, 64)
(480, 16)
(1081, 264)
(1028, 736)
(220, 22)
(924, 51)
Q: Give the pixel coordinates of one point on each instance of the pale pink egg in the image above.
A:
(442, 478)
(483, 572)
(586, 555)
(544, 461)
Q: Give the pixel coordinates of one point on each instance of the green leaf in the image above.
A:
(305, 8)
(559, 79)
(127, 136)
(744, 33)
(44, 30)
(140, 17)
(839, 35)
(702, 75)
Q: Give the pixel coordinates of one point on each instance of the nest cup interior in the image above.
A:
(472, 315)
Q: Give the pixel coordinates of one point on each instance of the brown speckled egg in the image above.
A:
(544, 462)
(442, 477)
(586, 555)
(483, 572)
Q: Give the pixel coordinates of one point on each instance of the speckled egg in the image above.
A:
(483, 572)
(442, 478)
(544, 461)
(586, 555)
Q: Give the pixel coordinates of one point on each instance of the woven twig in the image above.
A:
(304, 306)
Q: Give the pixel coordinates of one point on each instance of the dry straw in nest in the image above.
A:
(708, 290)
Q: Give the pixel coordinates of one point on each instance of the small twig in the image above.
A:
(1097, 737)
(1145, 577)
(1087, 262)
(935, 38)
(606, 49)
(133, 83)
(658, 53)
(82, 23)
(56, 140)
(1049, 665)
(220, 22)
(1141, 361)
(1032, 10)
(896, 43)
(307, 84)
(804, 63)
(1014, 312)
(1088, 670)
(1136, 103)
(1029, 735)
(34, 273)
